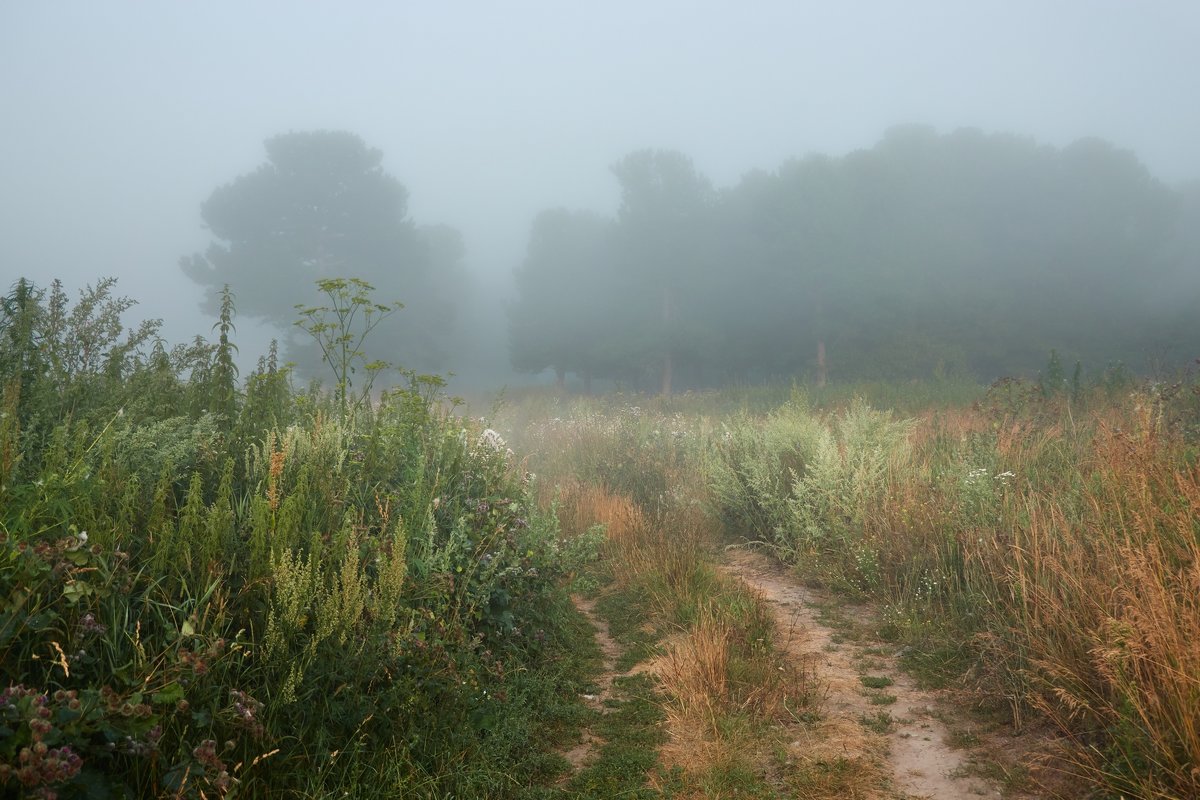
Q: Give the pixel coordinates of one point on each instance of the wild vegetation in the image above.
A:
(730, 697)
(213, 590)
(1039, 548)
(322, 207)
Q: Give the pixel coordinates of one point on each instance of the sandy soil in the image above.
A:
(917, 753)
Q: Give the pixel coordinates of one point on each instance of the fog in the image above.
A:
(120, 119)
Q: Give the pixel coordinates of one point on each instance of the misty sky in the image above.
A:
(118, 119)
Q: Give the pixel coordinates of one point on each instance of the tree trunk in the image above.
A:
(821, 364)
(668, 364)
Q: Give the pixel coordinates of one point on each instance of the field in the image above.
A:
(217, 588)
(1033, 552)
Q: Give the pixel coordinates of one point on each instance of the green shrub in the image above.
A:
(294, 596)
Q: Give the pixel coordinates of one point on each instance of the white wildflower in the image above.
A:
(489, 438)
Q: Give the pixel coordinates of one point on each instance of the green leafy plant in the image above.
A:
(340, 328)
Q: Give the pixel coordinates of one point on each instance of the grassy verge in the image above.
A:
(1041, 548)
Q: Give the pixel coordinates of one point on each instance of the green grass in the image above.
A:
(953, 524)
(961, 738)
(879, 722)
(203, 573)
(875, 681)
(632, 732)
(630, 622)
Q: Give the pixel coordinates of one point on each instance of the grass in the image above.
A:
(724, 692)
(632, 732)
(962, 739)
(875, 681)
(1043, 548)
(880, 722)
(628, 613)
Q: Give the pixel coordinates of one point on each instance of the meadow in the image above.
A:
(1035, 545)
(213, 586)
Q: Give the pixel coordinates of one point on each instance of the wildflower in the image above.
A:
(979, 473)
(88, 625)
(489, 438)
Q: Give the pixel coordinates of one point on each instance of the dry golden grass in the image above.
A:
(1112, 618)
(735, 696)
(731, 695)
(1094, 578)
(581, 505)
(1081, 566)
(1066, 542)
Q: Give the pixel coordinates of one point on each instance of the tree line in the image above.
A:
(966, 253)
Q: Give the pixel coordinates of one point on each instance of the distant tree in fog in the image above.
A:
(322, 206)
(660, 232)
(927, 254)
(563, 311)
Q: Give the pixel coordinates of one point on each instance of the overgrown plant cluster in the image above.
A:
(1040, 545)
(1044, 545)
(211, 588)
(731, 698)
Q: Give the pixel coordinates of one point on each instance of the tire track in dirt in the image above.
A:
(916, 750)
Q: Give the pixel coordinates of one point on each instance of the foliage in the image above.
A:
(726, 686)
(557, 320)
(927, 256)
(323, 207)
(262, 596)
(1037, 548)
(1046, 544)
(340, 329)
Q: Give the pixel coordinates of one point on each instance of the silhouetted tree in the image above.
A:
(661, 232)
(322, 206)
(925, 255)
(560, 318)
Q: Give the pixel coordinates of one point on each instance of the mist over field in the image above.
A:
(832, 399)
(676, 196)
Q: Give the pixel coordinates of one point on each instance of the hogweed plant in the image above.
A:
(340, 330)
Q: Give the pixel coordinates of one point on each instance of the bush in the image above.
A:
(291, 597)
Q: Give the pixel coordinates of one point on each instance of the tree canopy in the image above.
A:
(322, 206)
(926, 254)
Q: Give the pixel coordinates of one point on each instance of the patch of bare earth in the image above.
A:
(582, 754)
(907, 737)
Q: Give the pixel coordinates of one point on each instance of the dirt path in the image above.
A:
(916, 740)
(582, 754)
